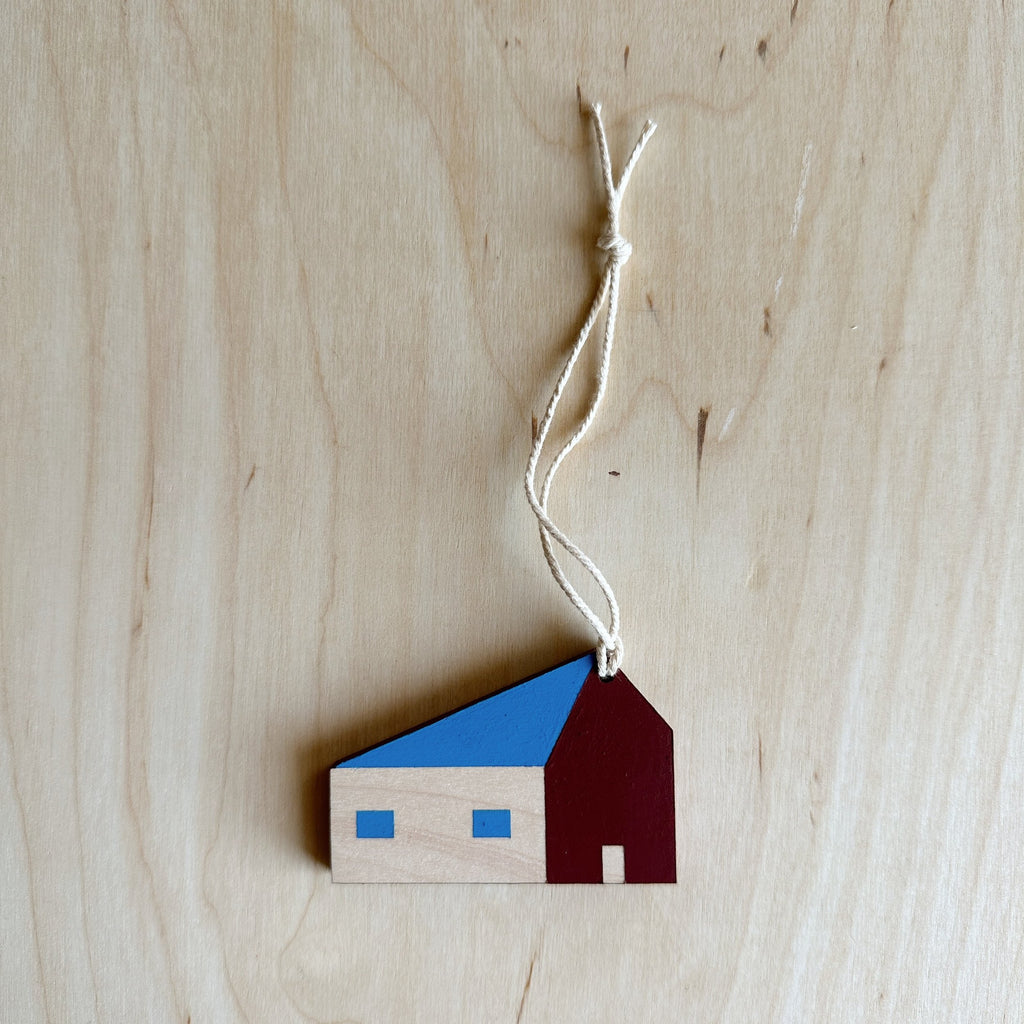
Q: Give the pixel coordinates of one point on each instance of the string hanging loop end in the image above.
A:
(618, 250)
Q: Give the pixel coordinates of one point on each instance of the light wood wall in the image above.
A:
(433, 837)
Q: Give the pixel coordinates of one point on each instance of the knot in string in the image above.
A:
(618, 249)
(610, 648)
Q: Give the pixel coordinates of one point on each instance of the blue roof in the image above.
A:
(516, 727)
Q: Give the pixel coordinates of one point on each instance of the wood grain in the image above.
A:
(283, 285)
(433, 840)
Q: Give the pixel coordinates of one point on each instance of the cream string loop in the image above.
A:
(609, 649)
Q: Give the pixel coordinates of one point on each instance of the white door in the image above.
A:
(613, 864)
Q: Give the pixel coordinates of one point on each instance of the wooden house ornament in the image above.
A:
(564, 777)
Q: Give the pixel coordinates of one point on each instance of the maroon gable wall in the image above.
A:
(609, 782)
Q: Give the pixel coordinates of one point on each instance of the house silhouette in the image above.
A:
(564, 777)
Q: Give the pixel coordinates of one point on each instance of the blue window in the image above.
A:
(492, 824)
(375, 824)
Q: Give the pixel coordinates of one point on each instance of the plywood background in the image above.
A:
(282, 286)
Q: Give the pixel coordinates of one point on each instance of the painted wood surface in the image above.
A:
(607, 781)
(284, 283)
(434, 837)
(517, 726)
(610, 782)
